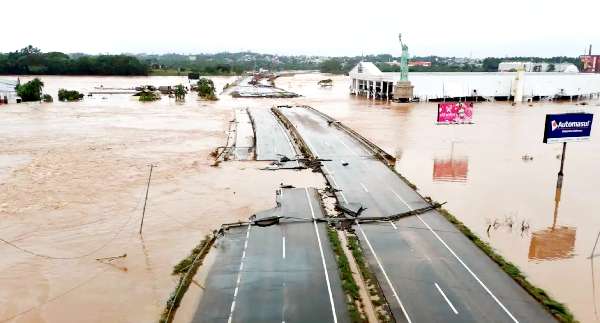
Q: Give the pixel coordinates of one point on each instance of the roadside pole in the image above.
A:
(146, 199)
(561, 128)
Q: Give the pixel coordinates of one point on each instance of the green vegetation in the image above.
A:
(47, 98)
(180, 93)
(206, 89)
(369, 277)
(149, 96)
(30, 91)
(559, 310)
(348, 283)
(186, 268)
(70, 96)
(333, 66)
(31, 60)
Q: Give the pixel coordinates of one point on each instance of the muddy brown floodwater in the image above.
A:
(72, 178)
(72, 183)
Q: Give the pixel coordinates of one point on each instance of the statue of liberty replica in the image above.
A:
(403, 90)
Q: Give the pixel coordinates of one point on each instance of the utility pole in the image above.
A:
(146, 199)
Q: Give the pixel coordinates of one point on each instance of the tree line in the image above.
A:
(32, 61)
(342, 65)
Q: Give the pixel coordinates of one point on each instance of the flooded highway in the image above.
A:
(413, 256)
(479, 169)
(279, 273)
(72, 178)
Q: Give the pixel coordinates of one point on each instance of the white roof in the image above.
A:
(7, 86)
(365, 68)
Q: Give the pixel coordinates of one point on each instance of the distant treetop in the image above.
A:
(31, 60)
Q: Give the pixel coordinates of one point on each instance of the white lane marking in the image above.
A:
(402, 200)
(283, 243)
(446, 298)
(346, 145)
(470, 271)
(461, 262)
(393, 225)
(384, 273)
(312, 212)
(239, 276)
(364, 187)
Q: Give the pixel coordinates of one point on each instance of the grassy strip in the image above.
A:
(559, 310)
(369, 277)
(348, 283)
(187, 268)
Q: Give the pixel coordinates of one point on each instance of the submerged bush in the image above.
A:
(206, 89)
(149, 96)
(68, 95)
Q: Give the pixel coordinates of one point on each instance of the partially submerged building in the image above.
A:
(368, 80)
(8, 92)
(537, 67)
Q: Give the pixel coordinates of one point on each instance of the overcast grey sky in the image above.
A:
(476, 28)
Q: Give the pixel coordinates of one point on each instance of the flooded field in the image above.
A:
(73, 175)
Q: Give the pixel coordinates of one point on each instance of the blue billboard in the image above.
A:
(567, 127)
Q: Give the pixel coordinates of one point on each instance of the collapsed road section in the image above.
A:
(272, 141)
(258, 86)
(240, 141)
(256, 134)
(278, 273)
(428, 270)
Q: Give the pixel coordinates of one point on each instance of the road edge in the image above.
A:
(186, 268)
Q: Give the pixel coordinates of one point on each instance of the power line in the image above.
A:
(36, 254)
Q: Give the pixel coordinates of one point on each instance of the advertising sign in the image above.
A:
(455, 112)
(591, 63)
(567, 127)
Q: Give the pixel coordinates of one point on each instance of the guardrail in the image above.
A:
(294, 132)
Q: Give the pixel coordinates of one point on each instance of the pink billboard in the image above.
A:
(455, 112)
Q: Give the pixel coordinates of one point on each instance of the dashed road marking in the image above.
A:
(461, 261)
(364, 187)
(446, 298)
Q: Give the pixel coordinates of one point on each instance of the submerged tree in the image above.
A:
(30, 91)
(148, 96)
(180, 92)
(206, 89)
